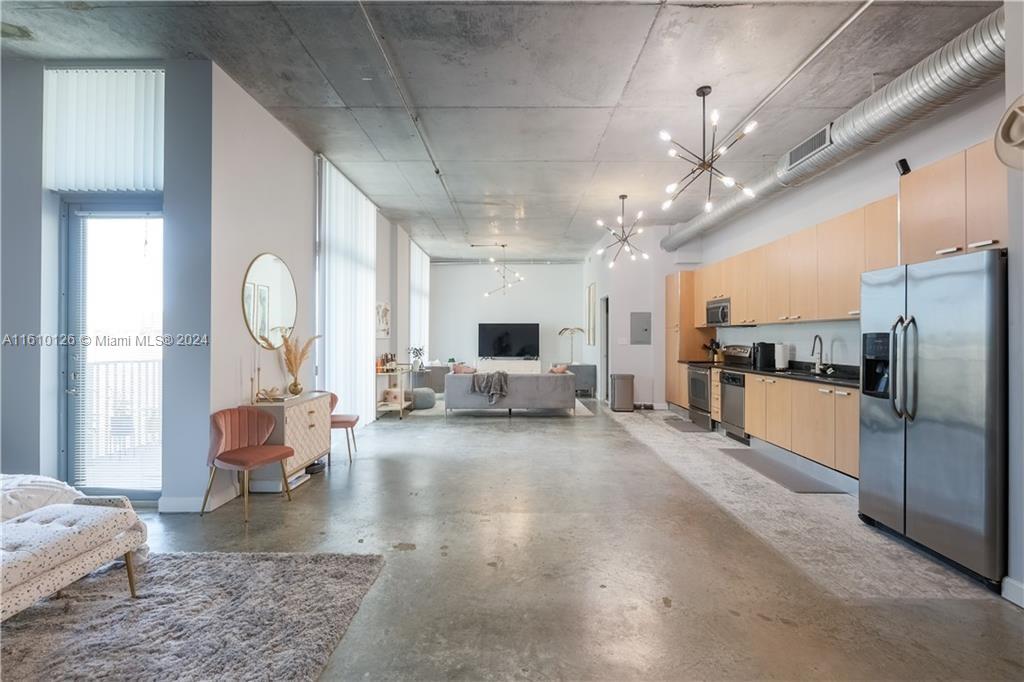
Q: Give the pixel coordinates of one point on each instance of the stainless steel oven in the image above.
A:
(718, 312)
(699, 378)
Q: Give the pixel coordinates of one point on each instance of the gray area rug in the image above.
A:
(787, 477)
(820, 534)
(198, 617)
(684, 425)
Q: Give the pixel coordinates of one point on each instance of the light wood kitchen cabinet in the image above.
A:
(840, 258)
(673, 308)
(847, 431)
(716, 394)
(754, 406)
(714, 286)
(776, 283)
(754, 278)
(881, 234)
(803, 274)
(933, 210)
(700, 310)
(813, 414)
(778, 412)
(987, 221)
(683, 340)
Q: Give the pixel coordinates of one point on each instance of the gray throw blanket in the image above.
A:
(494, 384)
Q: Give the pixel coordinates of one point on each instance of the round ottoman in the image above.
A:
(423, 398)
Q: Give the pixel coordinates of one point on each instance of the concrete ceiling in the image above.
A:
(539, 114)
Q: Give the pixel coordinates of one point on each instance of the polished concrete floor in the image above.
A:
(567, 548)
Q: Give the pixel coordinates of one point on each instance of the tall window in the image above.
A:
(348, 281)
(103, 130)
(419, 299)
(115, 368)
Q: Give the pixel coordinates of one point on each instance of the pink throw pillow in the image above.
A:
(559, 369)
(461, 368)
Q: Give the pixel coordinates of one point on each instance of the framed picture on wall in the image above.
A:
(383, 320)
(263, 310)
(592, 314)
(249, 303)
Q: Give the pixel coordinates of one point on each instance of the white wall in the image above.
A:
(386, 267)
(551, 295)
(263, 193)
(633, 286)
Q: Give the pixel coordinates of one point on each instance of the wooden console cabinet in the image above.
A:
(304, 424)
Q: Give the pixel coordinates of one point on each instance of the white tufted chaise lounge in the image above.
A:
(49, 548)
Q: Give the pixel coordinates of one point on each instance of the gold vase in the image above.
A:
(295, 388)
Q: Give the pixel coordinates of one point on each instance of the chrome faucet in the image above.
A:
(820, 345)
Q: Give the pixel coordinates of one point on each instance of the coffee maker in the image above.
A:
(764, 356)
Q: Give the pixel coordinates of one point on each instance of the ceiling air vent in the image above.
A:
(811, 146)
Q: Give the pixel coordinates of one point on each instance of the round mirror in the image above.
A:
(268, 300)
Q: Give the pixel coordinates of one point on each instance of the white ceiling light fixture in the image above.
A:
(705, 162)
(507, 276)
(624, 236)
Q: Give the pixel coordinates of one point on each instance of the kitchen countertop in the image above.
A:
(840, 378)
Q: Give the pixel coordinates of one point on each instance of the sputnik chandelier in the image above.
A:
(623, 236)
(706, 162)
(507, 276)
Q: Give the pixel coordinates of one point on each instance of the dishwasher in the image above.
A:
(732, 405)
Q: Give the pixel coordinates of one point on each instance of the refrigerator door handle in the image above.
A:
(909, 407)
(893, 374)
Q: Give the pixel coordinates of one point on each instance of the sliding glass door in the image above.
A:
(113, 294)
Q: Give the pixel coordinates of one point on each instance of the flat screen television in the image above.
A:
(505, 340)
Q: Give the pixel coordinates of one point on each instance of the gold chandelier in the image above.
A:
(706, 162)
(623, 236)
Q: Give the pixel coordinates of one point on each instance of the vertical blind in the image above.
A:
(348, 266)
(419, 299)
(103, 130)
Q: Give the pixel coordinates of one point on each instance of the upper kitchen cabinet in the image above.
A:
(776, 282)
(753, 275)
(700, 310)
(734, 288)
(714, 281)
(803, 274)
(933, 210)
(881, 234)
(986, 199)
(840, 259)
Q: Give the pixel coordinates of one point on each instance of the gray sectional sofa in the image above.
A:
(525, 392)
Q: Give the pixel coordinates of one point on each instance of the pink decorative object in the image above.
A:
(461, 368)
(559, 369)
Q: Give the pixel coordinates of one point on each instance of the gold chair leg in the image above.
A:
(284, 479)
(245, 495)
(348, 444)
(209, 487)
(131, 573)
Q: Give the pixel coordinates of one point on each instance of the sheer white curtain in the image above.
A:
(419, 299)
(348, 283)
(103, 130)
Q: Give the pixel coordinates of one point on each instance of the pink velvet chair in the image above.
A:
(347, 422)
(238, 437)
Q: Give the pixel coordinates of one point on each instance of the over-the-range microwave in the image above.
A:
(718, 312)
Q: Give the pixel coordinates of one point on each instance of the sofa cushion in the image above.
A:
(45, 538)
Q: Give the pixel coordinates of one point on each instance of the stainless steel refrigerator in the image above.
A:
(933, 414)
